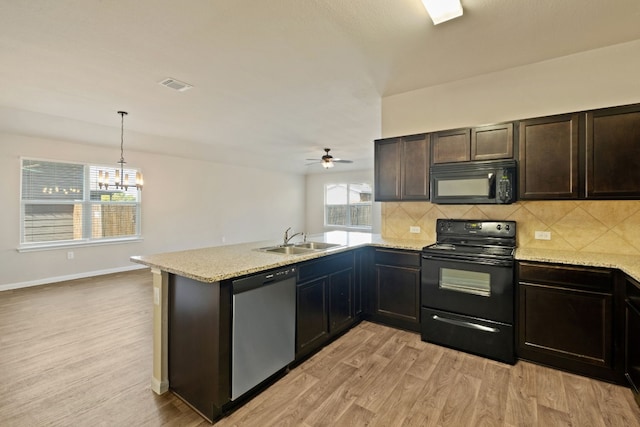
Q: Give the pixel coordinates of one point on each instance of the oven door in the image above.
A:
(469, 287)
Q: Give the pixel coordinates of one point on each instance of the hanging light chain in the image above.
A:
(122, 183)
(122, 113)
(121, 179)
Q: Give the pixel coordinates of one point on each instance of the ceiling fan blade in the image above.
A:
(327, 160)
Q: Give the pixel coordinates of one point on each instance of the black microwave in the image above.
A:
(487, 182)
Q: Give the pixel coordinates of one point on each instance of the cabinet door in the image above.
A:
(549, 158)
(452, 146)
(312, 325)
(492, 142)
(387, 169)
(415, 168)
(632, 346)
(568, 324)
(613, 150)
(632, 336)
(567, 318)
(340, 301)
(397, 296)
(363, 273)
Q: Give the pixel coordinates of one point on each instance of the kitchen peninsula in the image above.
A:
(214, 268)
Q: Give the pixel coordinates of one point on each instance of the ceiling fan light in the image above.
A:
(327, 165)
(442, 10)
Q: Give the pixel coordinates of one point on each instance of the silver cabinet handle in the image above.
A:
(465, 324)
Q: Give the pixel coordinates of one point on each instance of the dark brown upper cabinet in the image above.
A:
(492, 142)
(549, 157)
(452, 146)
(613, 153)
(592, 155)
(402, 168)
(480, 143)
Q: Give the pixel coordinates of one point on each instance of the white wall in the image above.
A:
(185, 204)
(598, 78)
(315, 197)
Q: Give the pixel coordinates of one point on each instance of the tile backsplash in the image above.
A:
(584, 226)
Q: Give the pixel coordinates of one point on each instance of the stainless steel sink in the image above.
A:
(300, 248)
(317, 245)
(288, 250)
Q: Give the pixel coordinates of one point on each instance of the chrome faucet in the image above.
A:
(287, 237)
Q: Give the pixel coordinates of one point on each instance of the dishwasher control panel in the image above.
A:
(280, 274)
(262, 279)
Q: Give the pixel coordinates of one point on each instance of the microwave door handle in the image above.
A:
(492, 185)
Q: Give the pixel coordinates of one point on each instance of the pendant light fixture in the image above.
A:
(121, 178)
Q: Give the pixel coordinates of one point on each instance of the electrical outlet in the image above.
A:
(414, 229)
(543, 235)
(223, 239)
(70, 255)
(156, 296)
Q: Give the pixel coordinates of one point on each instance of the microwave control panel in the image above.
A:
(504, 190)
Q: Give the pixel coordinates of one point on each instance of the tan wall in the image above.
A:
(585, 226)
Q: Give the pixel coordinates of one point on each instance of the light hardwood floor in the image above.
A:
(78, 353)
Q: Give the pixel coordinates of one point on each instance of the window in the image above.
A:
(62, 203)
(347, 205)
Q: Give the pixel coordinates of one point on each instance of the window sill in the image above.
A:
(364, 229)
(76, 244)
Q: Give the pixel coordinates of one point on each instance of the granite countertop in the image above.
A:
(629, 264)
(225, 262)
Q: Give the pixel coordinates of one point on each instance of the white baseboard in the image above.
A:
(49, 280)
(159, 387)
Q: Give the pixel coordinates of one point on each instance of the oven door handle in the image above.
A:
(485, 261)
(465, 324)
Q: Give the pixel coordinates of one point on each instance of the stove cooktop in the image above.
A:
(478, 238)
(452, 249)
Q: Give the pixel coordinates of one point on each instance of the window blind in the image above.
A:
(64, 203)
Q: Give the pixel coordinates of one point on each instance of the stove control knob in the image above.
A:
(499, 227)
(507, 227)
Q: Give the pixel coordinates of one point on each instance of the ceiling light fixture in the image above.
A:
(442, 10)
(121, 178)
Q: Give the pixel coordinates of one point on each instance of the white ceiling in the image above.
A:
(279, 79)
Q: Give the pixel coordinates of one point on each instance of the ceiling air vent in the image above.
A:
(176, 84)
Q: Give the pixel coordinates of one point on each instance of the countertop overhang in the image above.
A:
(218, 263)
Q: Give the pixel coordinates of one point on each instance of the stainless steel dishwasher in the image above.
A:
(263, 328)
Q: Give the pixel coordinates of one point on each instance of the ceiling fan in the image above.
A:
(328, 160)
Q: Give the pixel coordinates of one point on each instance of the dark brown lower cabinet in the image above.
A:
(312, 324)
(326, 301)
(632, 337)
(341, 308)
(396, 293)
(568, 319)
